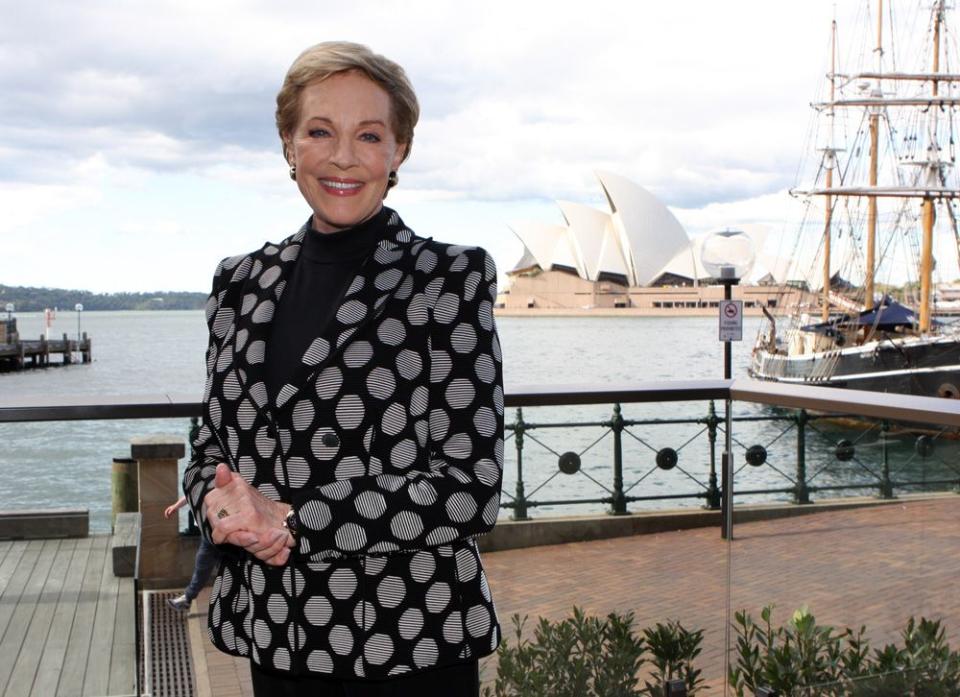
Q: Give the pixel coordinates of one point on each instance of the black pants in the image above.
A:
(458, 680)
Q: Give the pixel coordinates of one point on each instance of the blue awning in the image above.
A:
(887, 316)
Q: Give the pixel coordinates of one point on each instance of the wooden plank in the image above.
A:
(5, 547)
(51, 663)
(97, 675)
(123, 654)
(17, 573)
(44, 524)
(197, 633)
(26, 605)
(78, 645)
(11, 559)
(25, 668)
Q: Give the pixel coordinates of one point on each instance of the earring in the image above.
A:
(293, 172)
(392, 179)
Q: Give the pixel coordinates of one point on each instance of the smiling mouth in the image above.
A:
(342, 188)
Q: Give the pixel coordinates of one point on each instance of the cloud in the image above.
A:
(703, 102)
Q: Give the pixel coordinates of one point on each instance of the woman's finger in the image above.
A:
(280, 558)
(269, 553)
(242, 538)
(261, 545)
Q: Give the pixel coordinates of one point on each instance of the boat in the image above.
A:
(886, 183)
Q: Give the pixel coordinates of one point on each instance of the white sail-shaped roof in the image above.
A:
(542, 240)
(587, 228)
(686, 262)
(564, 253)
(526, 261)
(612, 258)
(648, 231)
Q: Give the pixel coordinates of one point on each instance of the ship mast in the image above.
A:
(874, 138)
(933, 172)
(831, 161)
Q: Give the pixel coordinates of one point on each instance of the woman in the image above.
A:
(351, 449)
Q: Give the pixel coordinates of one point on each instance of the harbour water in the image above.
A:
(69, 463)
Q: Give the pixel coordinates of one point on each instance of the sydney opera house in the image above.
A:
(635, 256)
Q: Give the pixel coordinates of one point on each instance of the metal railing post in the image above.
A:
(801, 493)
(619, 506)
(713, 491)
(520, 509)
(192, 528)
(886, 485)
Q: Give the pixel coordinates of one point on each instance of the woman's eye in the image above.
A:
(318, 133)
(370, 137)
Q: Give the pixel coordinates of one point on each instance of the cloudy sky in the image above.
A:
(137, 145)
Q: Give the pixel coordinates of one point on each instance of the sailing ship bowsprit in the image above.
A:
(891, 200)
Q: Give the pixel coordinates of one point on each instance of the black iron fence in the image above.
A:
(804, 417)
(860, 447)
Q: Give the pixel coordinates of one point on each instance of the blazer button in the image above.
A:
(330, 440)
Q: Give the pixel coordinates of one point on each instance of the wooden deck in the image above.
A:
(67, 624)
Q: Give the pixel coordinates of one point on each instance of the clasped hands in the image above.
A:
(252, 521)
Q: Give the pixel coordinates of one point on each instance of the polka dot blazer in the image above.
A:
(389, 445)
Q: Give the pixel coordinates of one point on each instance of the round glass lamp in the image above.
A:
(727, 255)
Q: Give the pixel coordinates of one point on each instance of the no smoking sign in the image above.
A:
(731, 320)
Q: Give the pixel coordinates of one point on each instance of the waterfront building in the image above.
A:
(636, 258)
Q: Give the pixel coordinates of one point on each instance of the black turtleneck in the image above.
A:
(328, 261)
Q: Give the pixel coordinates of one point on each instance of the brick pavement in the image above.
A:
(874, 566)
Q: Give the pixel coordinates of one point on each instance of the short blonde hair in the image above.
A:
(330, 57)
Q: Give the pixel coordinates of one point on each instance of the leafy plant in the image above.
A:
(673, 648)
(585, 656)
(804, 658)
(785, 658)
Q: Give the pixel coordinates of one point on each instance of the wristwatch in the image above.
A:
(290, 523)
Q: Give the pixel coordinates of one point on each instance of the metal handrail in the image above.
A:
(881, 405)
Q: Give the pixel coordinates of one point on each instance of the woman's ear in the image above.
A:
(399, 156)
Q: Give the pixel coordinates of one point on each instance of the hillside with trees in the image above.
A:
(30, 299)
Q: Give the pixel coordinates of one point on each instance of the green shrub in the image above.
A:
(803, 658)
(585, 656)
(673, 649)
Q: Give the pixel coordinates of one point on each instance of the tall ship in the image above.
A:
(881, 206)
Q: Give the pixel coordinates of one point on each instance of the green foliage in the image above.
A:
(804, 658)
(673, 649)
(585, 656)
(29, 299)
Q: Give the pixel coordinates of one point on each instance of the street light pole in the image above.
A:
(729, 280)
(727, 256)
(79, 308)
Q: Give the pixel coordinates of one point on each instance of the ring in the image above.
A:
(222, 513)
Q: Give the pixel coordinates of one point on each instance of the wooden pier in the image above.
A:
(67, 624)
(20, 355)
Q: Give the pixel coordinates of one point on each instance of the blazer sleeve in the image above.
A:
(206, 451)
(459, 496)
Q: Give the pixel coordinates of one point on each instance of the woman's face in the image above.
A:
(344, 149)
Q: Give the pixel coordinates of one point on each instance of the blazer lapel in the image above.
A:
(385, 272)
(262, 290)
(381, 276)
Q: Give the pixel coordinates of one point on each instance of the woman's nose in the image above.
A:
(343, 153)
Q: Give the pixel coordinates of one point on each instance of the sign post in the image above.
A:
(731, 321)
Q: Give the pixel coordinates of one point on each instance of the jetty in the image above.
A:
(19, 354)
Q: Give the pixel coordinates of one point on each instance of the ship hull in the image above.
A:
(915, 366)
